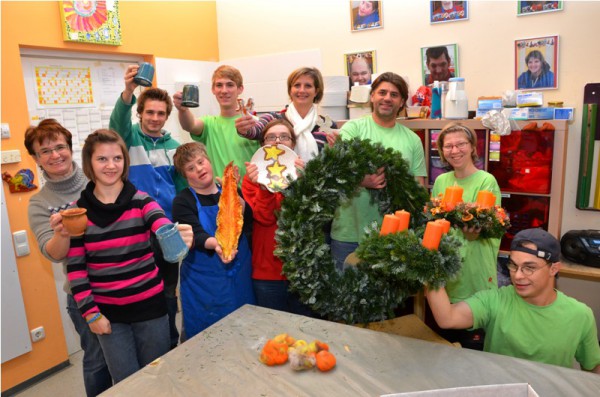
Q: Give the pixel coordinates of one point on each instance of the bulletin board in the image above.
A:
(79, 90)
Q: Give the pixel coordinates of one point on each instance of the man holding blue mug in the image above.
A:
(151, 149)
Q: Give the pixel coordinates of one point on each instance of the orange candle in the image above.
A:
(452, 196)
(389, 225)
(485, 199)
(445, 225)
(404, 217)
(433, 235)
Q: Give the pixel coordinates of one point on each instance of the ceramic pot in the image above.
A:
(74, 221)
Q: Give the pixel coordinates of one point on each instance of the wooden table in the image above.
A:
(223, 361)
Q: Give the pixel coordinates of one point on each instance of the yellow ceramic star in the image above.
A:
(273, 152)
(276, 169)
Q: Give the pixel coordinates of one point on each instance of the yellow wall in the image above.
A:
(184, 30)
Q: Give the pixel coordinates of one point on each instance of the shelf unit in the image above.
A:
(555, 195)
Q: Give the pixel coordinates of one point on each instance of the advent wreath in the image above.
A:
(392, 267)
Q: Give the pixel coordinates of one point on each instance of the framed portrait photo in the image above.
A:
(365, 15)
(537, 7)
(536, 63)
(439, 63)
(360, 67)
(448, 11)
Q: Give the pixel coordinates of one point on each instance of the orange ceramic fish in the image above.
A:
(230, 217)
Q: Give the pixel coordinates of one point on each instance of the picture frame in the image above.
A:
(93, 22)
(366, 15)
(538, 7)
(443, 60)
(360, 66)
(536, 63)
(448, 11)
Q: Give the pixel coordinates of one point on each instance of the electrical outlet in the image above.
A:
(11, 156)
(37, 334)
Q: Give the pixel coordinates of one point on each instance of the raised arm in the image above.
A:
(130, 85)
(251, 127)
(446, 314)
(120, 118)
(186, 118)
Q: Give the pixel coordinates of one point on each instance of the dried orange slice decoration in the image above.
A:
(467, 217)
(229, 218)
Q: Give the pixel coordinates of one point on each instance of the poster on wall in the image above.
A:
(360, 66)
(58, 86)
(439, 63)
(91, 21)
(448, 11)
(536, 63)
(365, 15)
(537, 7)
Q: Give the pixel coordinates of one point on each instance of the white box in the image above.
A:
(357, 112)
(334, 112)
(508, 390)
(336, 83)
(334, 98)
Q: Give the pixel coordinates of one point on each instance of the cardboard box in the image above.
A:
(564, 113)
(526, 99)
(532, 114)
(489, 103)
(509, 390)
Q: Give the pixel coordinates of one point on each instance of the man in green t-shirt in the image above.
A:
(529, 319)
(389, 93)
(219, 133)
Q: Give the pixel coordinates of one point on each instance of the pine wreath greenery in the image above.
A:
(392, 267)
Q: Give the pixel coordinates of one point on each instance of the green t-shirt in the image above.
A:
(553, 334)
(478, 271)
(223, 144)
(352, 217)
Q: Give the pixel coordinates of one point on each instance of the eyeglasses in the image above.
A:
(526, 270)
(459, 146)
(47, 152)
(274, 138)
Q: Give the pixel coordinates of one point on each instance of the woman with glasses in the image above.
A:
(50, 145)
(270, 285)
(457, 146)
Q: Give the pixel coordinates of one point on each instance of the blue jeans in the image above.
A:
(170, 275)
(340, 250)
(274, 294)
(130, 347)
(96, 376)
(172, 313)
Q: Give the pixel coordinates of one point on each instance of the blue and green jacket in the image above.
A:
(151, 170)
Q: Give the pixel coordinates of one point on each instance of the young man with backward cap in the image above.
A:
(529, 319)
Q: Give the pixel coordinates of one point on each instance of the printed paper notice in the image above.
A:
(63, 86)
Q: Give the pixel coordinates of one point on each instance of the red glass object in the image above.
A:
(525, 162)
(525, 212)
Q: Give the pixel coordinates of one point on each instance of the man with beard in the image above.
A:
(389, 93)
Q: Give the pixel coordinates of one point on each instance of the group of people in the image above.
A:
(136, 178)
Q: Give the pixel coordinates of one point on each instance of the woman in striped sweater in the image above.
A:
(111, 268)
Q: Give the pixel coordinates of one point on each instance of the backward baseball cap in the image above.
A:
(548, 247)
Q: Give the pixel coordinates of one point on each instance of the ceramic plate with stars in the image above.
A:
(275, 163)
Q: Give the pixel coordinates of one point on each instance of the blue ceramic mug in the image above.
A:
(144, 75)
(190, 97)
(171, 243)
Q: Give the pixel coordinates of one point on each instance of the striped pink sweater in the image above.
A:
(111, 267)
